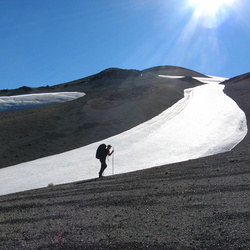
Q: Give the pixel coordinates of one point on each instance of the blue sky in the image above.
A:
(47, 42)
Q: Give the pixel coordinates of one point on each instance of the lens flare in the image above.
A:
(211, 13)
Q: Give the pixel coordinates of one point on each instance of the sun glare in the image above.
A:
(211, 12)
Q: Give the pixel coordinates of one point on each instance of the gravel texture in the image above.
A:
(198, 204)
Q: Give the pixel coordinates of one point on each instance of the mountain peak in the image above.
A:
(173, 71)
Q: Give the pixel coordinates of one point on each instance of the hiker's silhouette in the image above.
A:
(102, 152)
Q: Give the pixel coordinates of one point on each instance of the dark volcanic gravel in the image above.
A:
(198, 204)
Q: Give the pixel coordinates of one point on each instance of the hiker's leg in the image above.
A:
(103, 166)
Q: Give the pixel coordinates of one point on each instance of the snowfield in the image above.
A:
(204, 122)
(31, 100)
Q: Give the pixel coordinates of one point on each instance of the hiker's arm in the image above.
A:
(111, 152)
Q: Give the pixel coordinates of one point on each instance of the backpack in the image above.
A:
(101, 151)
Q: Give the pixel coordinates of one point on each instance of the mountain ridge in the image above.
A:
(115, 73)
(116, 100)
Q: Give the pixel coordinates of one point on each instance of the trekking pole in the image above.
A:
(113, 161)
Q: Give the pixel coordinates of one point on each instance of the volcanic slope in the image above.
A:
(238, 88)
(116, 100)
(197, 204)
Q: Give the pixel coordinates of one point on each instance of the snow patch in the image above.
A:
(16, 102)
(173, 77)
(208, 79)
(204, 122)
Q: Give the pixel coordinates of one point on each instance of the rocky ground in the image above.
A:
(198, 204)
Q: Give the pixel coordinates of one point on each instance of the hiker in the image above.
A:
(101, 154)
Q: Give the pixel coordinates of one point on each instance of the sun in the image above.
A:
(211, 12)
(211, 5)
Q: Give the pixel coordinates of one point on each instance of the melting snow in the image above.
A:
(208, 79)
(212, 79)
(15, 102)
(173, 77)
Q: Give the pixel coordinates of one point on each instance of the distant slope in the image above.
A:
(238, 88)
(105, 77)
(116, 100)
(173, 71)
